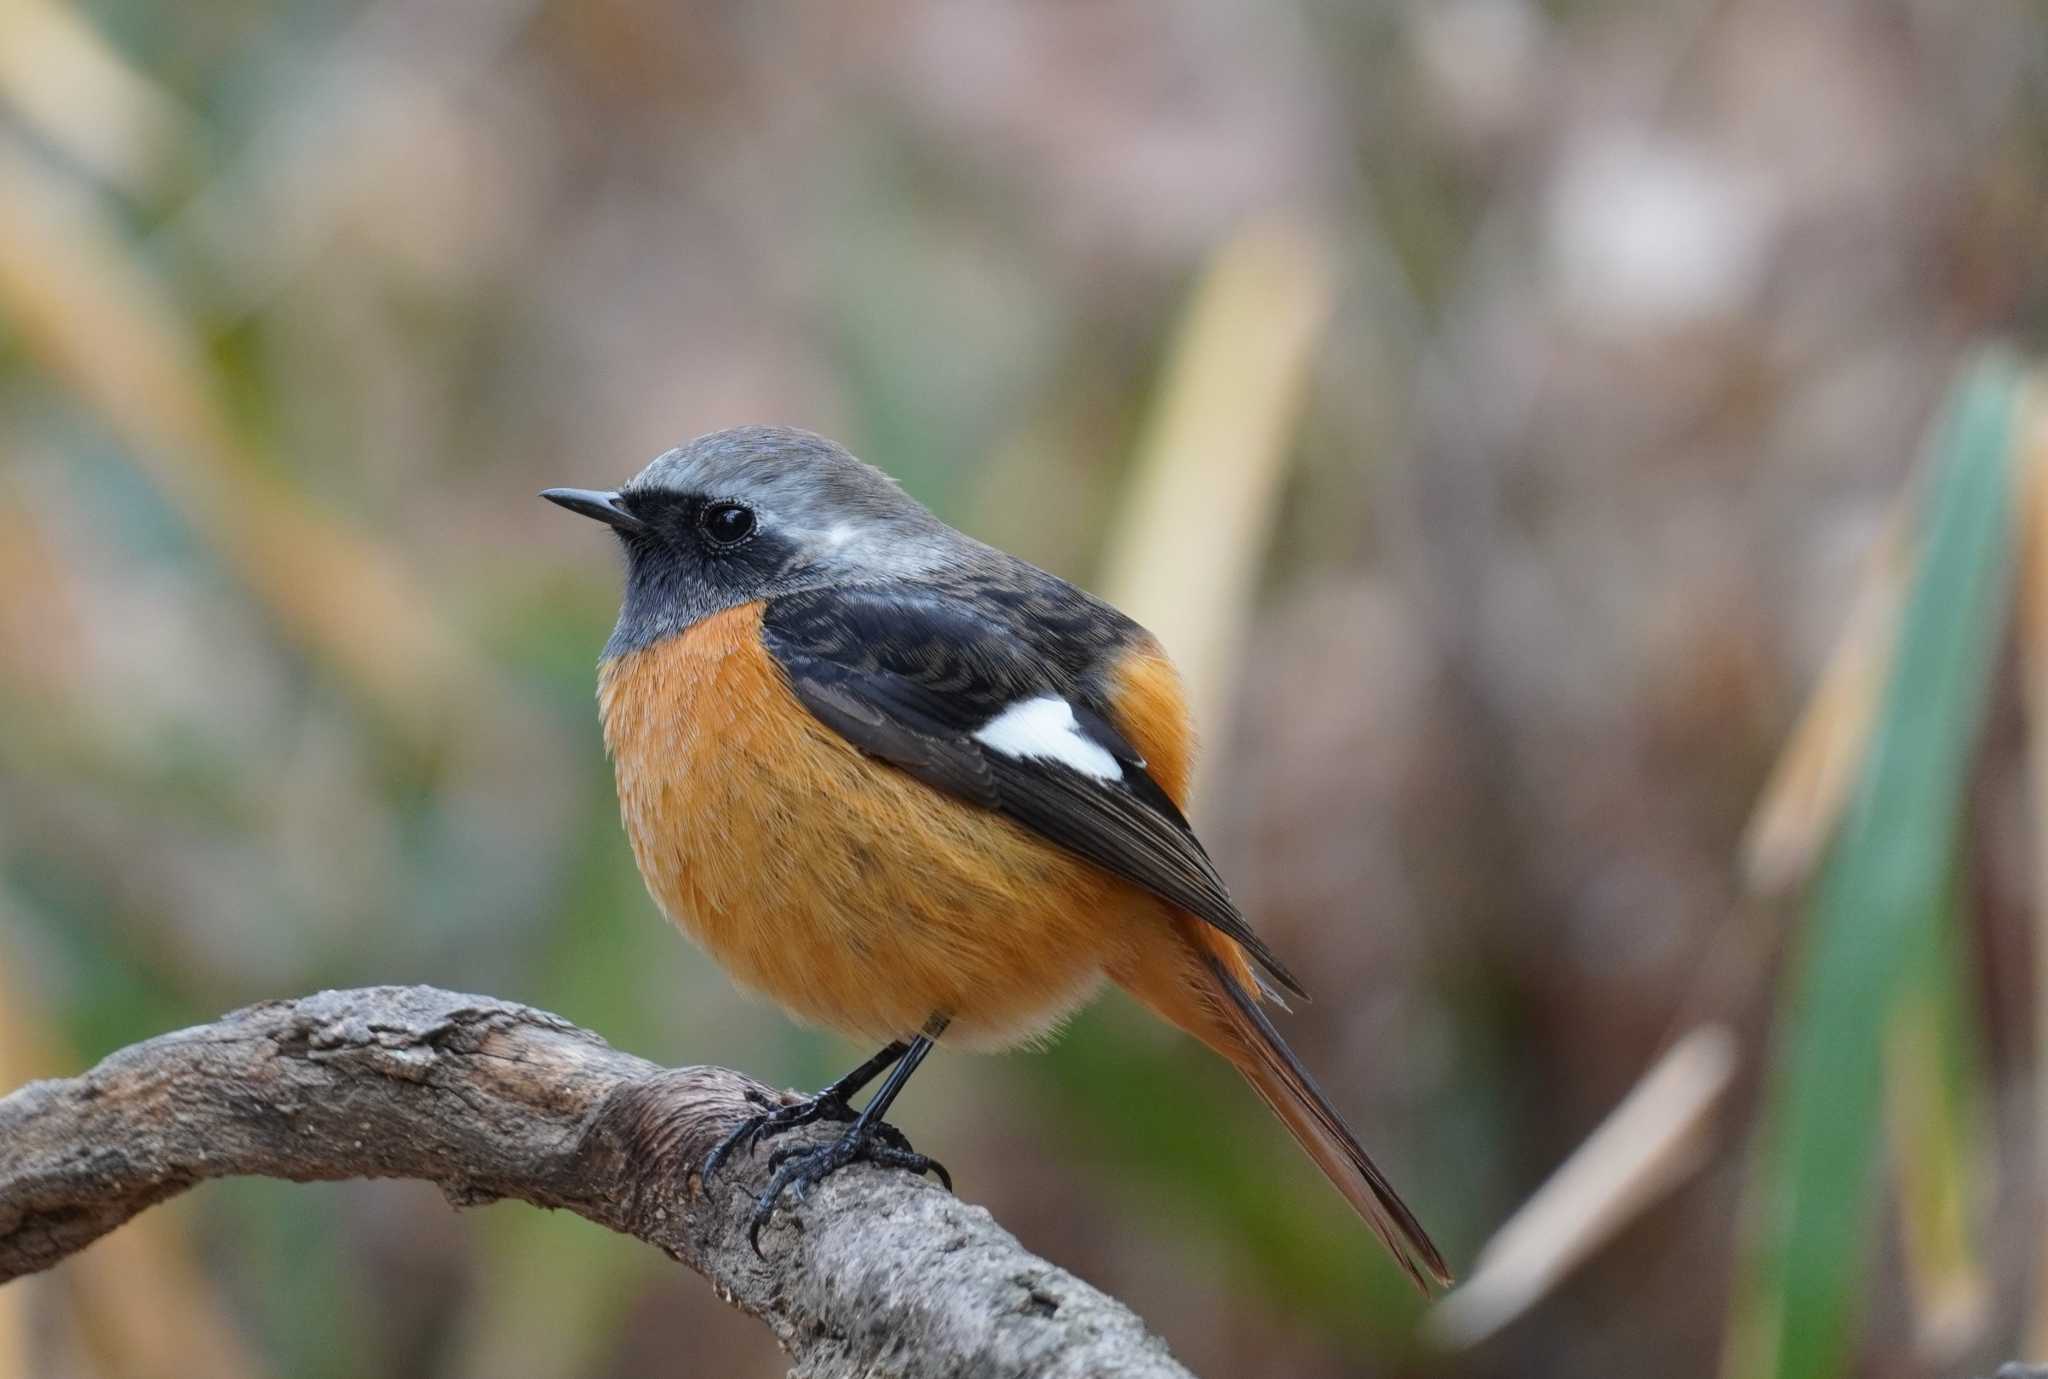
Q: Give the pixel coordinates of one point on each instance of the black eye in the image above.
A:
(727, 524)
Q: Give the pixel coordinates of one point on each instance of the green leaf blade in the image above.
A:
(1880, 896)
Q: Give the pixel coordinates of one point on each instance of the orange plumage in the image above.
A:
(851, 893)
(859, 897)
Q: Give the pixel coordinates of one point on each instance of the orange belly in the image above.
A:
(849, 892)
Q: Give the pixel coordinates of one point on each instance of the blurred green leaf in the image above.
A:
(1879, 899)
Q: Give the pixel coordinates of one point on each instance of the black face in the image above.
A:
(689, 555)
(757, 512)
(689, 521)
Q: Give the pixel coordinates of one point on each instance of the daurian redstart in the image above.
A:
(915, 789)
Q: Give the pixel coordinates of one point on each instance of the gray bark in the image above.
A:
(877, 1273)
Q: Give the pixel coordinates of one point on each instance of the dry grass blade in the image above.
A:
(2033, 637)
(1215, 450)
(1650, 1143)
(1933, 1144)
(40, 646)
(1809, 787)
(22, 1056)
(81, 95)
(15, 1360)
(94, 319)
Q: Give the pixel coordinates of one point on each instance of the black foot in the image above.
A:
(798, 1169)
(777, 1118)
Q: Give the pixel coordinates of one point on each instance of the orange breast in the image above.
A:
(845, 889)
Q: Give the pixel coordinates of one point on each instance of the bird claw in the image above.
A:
(799, 1168)
(885, 1138)
(776, 1118)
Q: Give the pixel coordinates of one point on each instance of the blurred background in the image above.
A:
(1500, 407)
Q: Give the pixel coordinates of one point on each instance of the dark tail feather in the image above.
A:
(1292, 1095)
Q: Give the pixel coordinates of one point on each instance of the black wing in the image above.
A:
(910, 679)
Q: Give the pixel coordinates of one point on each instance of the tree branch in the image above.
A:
(877, 1272)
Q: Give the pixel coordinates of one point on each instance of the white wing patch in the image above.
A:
(1045, 728)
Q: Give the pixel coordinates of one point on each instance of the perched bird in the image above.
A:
(917, 790)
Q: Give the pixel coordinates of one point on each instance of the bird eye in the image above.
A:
(727, 524)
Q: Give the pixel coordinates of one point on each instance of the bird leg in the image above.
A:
(833, 1103)
(799, 1168)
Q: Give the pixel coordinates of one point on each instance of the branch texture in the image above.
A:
(877, 1273)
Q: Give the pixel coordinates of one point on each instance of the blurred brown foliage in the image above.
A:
(1614, 332)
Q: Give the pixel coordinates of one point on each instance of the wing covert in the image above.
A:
(931, 687)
